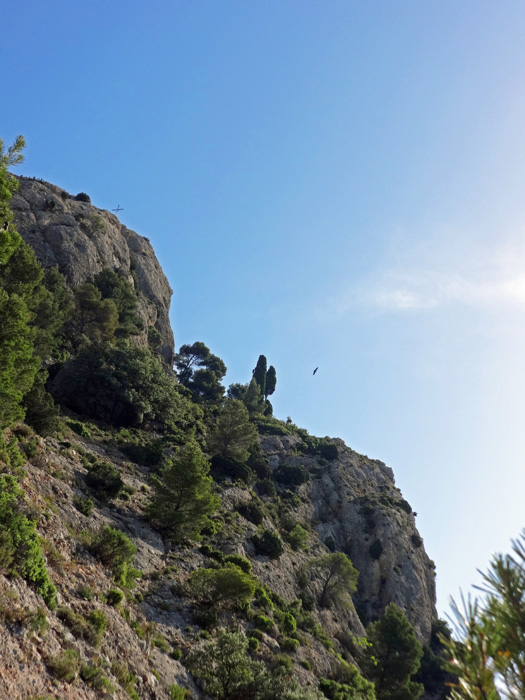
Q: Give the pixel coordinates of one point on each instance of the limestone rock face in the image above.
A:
(354, 506)
(83, 240)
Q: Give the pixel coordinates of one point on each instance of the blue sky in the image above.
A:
(335, 184)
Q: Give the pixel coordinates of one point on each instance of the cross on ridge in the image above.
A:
(119, 208)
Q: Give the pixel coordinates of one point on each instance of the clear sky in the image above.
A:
(332, 183)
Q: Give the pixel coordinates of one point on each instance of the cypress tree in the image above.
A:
(259, 373)
(271, 381)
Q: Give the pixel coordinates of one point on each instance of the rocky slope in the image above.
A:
(353, 504)
(343, 502)
(83, 240)
(348, 503)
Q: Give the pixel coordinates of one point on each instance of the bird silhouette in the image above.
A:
(315, 370)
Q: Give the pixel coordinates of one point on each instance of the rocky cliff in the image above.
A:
(349, 503)
(354, 506)
(82, 240)
(339, 500)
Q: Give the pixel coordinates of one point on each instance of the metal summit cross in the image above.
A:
(119, 208)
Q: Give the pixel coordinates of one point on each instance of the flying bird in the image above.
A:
(315, 370)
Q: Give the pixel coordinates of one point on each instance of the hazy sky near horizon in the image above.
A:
(336, 184)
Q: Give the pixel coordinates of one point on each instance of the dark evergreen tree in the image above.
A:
(9, 236)
(18, 364)
(124, 385)
(94, 318)
(259, 373)
(121, 292)
(393, 657)
(200, 371)
(271, 381)
(338, 578)
(253, 399)
(182, 498)
(232, 434)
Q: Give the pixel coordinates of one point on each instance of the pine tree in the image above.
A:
(9, 236)
(393, 657)
(18, 364)
(338, 577)
(182, 498)
(487, 654)
(233, 434)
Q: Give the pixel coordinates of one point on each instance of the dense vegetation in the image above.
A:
(69, 362)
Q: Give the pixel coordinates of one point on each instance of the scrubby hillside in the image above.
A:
(159, 537)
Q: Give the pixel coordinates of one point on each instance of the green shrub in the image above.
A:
(228, 585)
(115, 550)
(90, 629)
(83, 505)
(104, 479)
(354, 687)
(114, 597)
(222, 466)
(20, 546)
(289, 644)
(306, 664)
(161, 644)
(178, 693)
(253, 512)
(83, 197)
(330, 543)
(240, 561)
(268, 543)
(65, 665)
(291, 498)
(86, 592)
(95, 678)
(176, 654)
(253, 644)
(209, 551)
(416, 540)
(150, 455)
(98, 621)
(328, 451)
(262, 599)
(206, 617)
(79, 428)
(291, 475)
(298, 538)
(125, 678)
(288, 624)
(283, 663)
(266, 487)
(263, 623)
(37, 623)
(404, 505)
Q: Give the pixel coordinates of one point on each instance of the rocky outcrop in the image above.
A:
(83, 240)
(354, 506)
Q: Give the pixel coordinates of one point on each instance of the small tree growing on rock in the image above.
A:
(233, 434)
(338, 578)
(227, 586)
(182, 498)
(393, 657)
